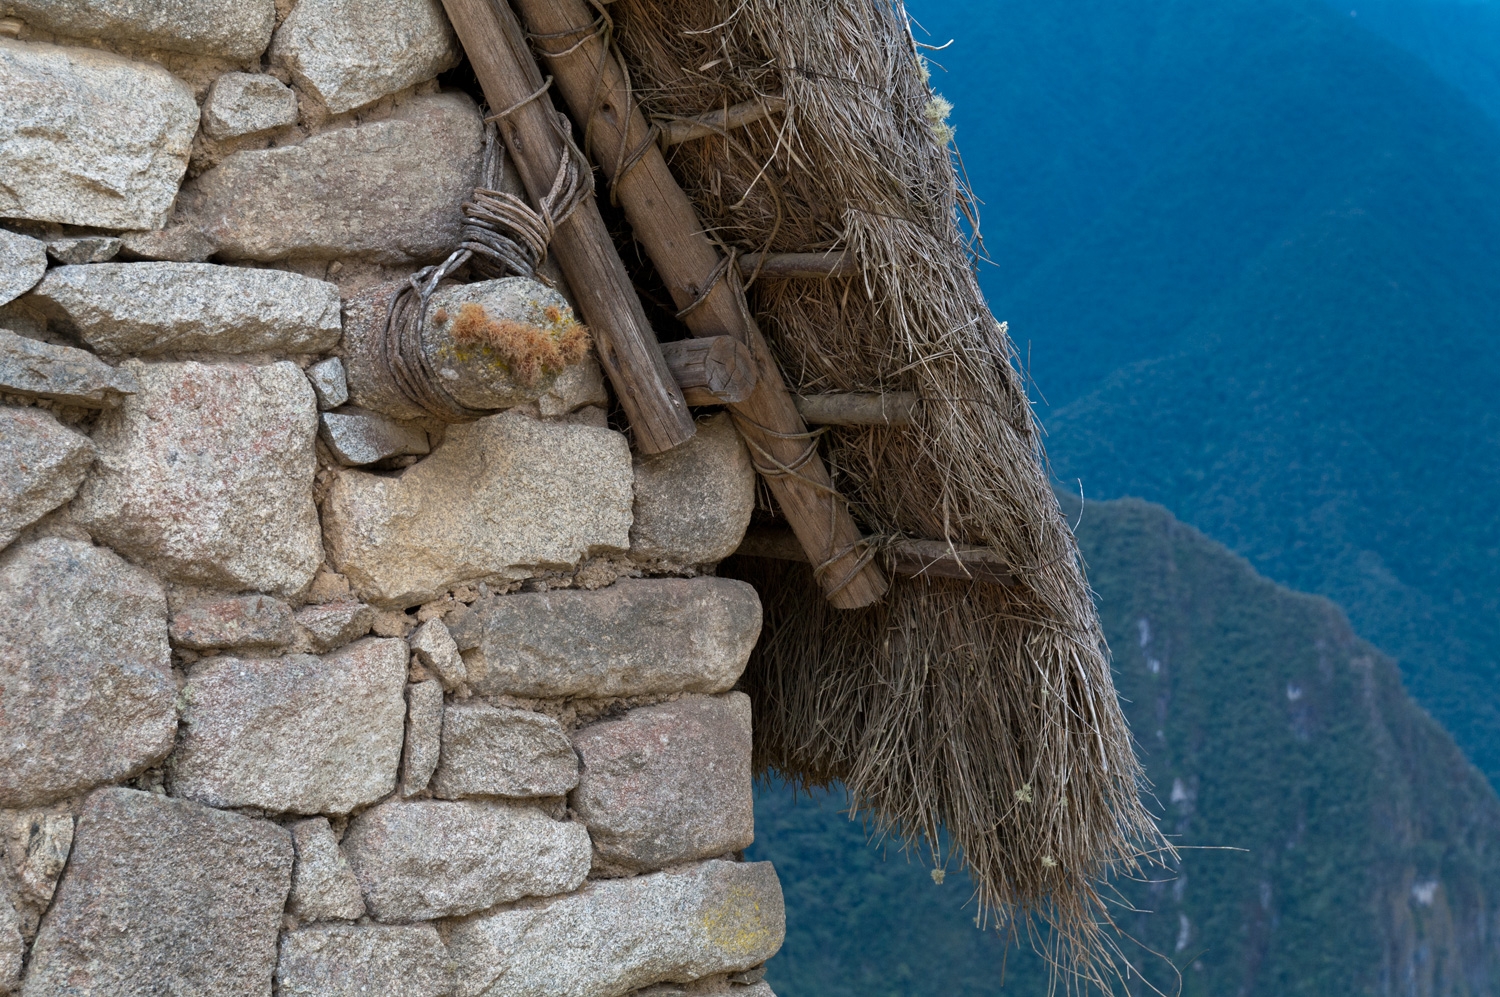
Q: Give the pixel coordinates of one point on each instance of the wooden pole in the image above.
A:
(909, 558)
(717, 370)
(625, 342)
(708, 291)
(785, 266)
(720, 121)
(893, 408)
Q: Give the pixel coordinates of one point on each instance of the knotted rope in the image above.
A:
(501, 236)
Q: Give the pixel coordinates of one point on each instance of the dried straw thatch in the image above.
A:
(985, 710)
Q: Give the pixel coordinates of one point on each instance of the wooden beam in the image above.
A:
(891, 408)
(718, 370)
(789, 266)
(627, 347)
(706, 289)
(909, 558)
(720, 121)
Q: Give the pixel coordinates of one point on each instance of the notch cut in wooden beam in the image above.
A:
(789, 266)
(890, 408)
(720, 121)
(908, 558)
(715, 370)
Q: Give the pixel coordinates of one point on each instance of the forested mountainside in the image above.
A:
(1334, 841)
(1248, 249)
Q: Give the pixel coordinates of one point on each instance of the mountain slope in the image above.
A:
(1252, 247)
(1371, 849)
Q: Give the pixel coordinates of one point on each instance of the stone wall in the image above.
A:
(301, 689)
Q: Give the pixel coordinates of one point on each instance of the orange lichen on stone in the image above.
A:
(528, 351)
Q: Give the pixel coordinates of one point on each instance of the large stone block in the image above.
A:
(693, 503)
(61, 373)
(155, 308)
(505, 495)
(42, 463)
(350, 52)
(431, 858)
(167, 897)
(347, 192)
(298, 734)
(323, 885)
(23, 261)
(503, 752)
(363, 961)
(668, 783)
(639, 637)
(90, 138)
(618, 935)
(86, 690)
(238, 30)
(206, 474)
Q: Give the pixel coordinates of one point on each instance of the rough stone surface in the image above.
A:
(668, 783)
(84, 249)
(350, 52)
(61, 373)
(334, 624)
(693, 502)
(297, 734)
(156, 308)
(47, 839)
(228, 29)
(577, 386)
(503, 752)
(424, 735)
(244, 621)
(363, 961)
(504, 495)
(434, 647)
(12, 948)
(431, 858)
(23, 261)
(42, 464)
(323, 885)
(206, 474)
(86, 691)
(638, 637)
(164, 896)
(357, 437)
(90, 138)
(247, 103)
(178, 243)
(329, 384)
(618, 935)
(314, 199)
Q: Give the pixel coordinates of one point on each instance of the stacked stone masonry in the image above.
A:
(303, 691)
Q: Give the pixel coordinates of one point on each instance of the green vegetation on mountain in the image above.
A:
(1249, 248)
(1367, 853)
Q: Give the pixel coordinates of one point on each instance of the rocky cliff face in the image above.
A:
(1333, 839)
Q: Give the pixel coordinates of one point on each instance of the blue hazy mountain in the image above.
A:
(1251, 251)
(1334, 841)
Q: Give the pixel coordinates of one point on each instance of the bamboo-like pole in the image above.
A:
(909, 558)
(706, 288)
(627, 347)
(786, 266)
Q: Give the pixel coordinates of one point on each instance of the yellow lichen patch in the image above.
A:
(527, 351)
(735, 926)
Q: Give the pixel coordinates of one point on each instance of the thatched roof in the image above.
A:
(985, 710)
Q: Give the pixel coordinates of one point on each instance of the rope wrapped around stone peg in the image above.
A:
(501, 236)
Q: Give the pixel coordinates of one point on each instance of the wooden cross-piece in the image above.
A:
(703, 284)
(627, 347)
